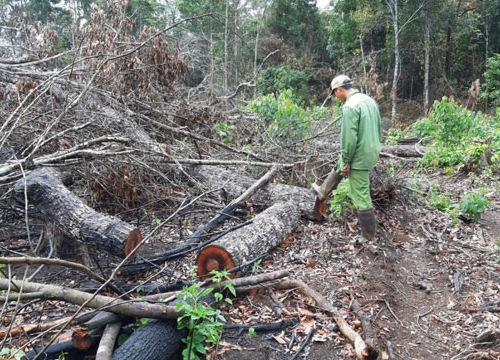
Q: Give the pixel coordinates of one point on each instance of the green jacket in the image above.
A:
(360, 135)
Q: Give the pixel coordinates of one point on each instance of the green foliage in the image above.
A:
(11, 353)
(473, 205)
(141, 322)
(276, 80)
(351, 23)
(45, 11)
(297, 22)
(223, 132)
(256, 267)
(393, 135)
(492, 81)
(340, 201)
(203, 323)
(286, 120)
(460, 136)
(443, 202)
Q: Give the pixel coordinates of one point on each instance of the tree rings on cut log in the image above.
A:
(213, 257)
(132, 244)
(81, 340)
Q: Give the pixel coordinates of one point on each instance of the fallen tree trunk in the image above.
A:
(235, 184)
(157, 340)
(45, 190)
(267, 230)
(117, 306)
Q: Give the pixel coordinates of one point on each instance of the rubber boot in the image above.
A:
(331, 182)
(368, 223)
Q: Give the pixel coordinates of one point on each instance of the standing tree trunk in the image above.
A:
(226, 46)
(393, 8)
(427, 50)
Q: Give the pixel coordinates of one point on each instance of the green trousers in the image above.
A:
(359, 181)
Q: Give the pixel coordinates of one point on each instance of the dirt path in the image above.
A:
(418, 285)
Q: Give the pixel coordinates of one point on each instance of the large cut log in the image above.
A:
(45, 190)
(267, 230)
(157, 340)
(236, 184)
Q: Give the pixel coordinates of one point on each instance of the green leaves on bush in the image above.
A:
(473, 205)
(460, 136)
(204, 323)
(286, 121)
(340, 201)
(492, 81)
(276, 80)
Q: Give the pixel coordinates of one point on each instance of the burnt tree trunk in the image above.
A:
(157, 340)
(267, 230)
(47, 193)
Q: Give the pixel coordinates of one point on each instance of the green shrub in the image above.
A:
(460, 136)
(491, 88)
(286, 120)
(473, 205)
(393, 135)
(224, 132)
(340, 201)
(276, 80)
(203, 323)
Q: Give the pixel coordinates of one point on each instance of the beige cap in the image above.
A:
(340, 80)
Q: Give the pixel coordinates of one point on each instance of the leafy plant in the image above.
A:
(444, 202)
(256, 267)
(203, 323)
(223, 131)
(473, 205)
(141, 322)
(393, 135)
(285, 119)
(277, 80)
(492, 80)
(340, 200)
(460, 136)
(11, 353)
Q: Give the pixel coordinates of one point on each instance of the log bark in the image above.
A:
(107, 343)
(404, 151)
(157, 340)
(267, 230)
(117, 306)
(47, 193)
(235, 184)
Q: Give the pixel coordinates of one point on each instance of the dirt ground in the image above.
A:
(429, 287)
(423, 284)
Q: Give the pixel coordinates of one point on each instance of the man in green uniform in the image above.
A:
(360, 139)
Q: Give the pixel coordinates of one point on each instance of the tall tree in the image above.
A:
(297, 22)
(395, 19)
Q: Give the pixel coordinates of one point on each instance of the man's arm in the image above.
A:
(348, 137)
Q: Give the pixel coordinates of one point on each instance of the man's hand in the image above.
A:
(345, 171)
